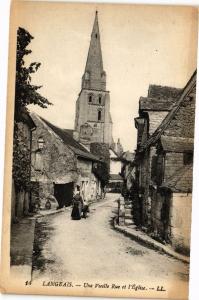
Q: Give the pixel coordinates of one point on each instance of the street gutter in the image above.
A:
(146, 240)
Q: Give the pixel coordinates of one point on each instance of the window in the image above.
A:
(100, 99)
(96, 35)
(188, 158)
(40, 143)
(99, 115)
(90, 98)
(38, 161)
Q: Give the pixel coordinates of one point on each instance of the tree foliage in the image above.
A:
(25, 92)
(101, 169)
(21, 159)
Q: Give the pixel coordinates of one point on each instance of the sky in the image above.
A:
(141, 45)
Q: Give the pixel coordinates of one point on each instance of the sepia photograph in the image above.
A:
(99, 149)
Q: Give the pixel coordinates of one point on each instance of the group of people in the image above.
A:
(80, 207)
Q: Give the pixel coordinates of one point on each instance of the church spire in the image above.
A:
(94, 76)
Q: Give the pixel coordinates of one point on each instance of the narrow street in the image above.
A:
(91, 250)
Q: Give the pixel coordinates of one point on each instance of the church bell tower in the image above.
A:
(93, 120)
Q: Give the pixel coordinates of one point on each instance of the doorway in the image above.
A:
(64, 193)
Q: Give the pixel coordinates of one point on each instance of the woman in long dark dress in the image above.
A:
(77, 207)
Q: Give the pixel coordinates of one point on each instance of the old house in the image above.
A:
(60, 165)
(152, 111)
(21, 193)
(169, 179)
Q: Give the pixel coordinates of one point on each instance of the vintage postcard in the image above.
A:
(99, 150)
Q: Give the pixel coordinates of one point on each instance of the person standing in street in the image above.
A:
(77, 206)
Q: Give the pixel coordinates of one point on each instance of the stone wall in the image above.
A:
(56, 162)
(173, 162)
(87, 112)
(156, 218)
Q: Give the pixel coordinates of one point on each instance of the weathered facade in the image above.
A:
(60, 165)
(152, 111)
(171, 191)
(164, 162)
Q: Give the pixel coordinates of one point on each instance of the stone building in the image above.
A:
(152, 111)
(164, 172)
(93, 121)
(60, 165)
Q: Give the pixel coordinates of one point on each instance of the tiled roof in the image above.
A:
(156, 104)
(69, 131)
(159, 131)
(181, 181)
(163, 92)
(25, 117)
(67, 138)
(177, 144)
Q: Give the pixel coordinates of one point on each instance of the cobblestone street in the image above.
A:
(91, 250)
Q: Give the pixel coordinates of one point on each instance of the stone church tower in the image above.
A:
(93, 120)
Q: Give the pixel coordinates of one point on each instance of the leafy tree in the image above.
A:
(21, 159)
(25, 92)
(101, 169)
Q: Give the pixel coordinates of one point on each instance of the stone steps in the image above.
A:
(128, 218)
(128, 222)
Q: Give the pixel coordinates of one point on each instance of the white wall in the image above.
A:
(115, 167)
(181, 220)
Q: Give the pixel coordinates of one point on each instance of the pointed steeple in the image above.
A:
(94, 76)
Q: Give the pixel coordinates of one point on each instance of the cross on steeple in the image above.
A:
(94, 76)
